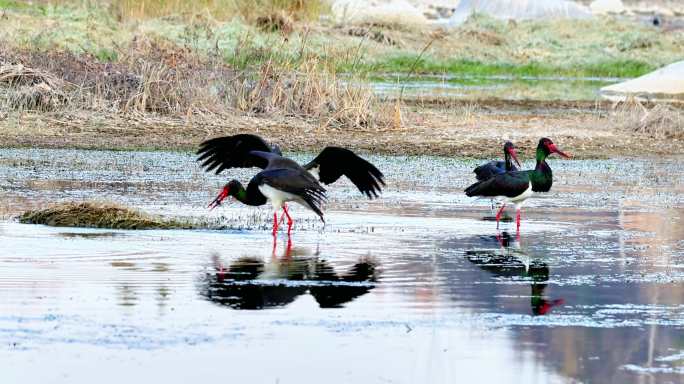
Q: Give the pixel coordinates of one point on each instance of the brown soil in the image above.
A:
(461, 129)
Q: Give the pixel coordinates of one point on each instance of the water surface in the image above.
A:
(415, 287)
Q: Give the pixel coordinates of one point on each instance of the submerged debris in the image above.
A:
(93, 215)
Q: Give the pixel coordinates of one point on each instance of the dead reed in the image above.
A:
(156, 77)
(660, 121)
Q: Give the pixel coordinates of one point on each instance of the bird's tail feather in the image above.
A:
(473, 189)
(314, 198)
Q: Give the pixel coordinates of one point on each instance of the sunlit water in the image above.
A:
(412, 288)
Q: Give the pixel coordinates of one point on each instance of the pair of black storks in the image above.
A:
(283, 180)
(503, 181)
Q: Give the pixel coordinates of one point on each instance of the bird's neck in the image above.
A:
(541, 162)
(542, 177)
(241, 195)
(250, 196)
(509, 162)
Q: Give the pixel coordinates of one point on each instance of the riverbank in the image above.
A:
(461, 129)
(120, 78)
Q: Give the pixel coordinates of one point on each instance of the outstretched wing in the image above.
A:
(509, 184)
(233, 152)
(333, 162)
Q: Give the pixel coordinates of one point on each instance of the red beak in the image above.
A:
(217, 201)
(553, 149)
(514, 155)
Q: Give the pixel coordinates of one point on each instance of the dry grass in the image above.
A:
(310, 92)
(219, 9)
(155, 77)
(31, 89)
(91, 215)
(660, 121)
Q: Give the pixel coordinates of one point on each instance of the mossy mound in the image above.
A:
(91, 215)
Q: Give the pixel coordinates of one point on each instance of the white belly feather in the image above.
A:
(518, 200)
(278, 197)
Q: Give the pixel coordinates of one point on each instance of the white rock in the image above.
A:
(377, 11)
(665, 84)
(520, 10)
(602, 7)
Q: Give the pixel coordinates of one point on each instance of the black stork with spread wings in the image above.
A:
(283, 180)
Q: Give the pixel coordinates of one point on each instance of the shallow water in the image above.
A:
(483, 87)
(413, 288)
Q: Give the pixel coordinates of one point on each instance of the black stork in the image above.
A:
(283, 180)
(493, 168)
(517, 186)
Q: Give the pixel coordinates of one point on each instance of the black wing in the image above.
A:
(493, 168)
(509, 184)
(333, 162)
(296, 182)
(275, 161)
(233, 152)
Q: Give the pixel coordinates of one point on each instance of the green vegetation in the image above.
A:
(248, 34)
(432, 65)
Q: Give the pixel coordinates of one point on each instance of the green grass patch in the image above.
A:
(18, 5)
(427, 65)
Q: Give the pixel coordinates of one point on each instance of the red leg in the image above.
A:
(517, 219)
(498, 214)
(282, 217)
(288, 250)
(275, 223)
(289, 220)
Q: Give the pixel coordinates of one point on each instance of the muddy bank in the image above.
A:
(455, 129)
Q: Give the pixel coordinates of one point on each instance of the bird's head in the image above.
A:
(510, 149)
(229, 189)
(549, 148)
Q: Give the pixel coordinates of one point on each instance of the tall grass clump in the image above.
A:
(218, 9)
(153, 76)
(309, 90)
(660, 121)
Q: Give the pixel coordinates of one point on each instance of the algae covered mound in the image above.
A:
(92, 215)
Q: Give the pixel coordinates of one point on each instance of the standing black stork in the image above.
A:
(517, 186)
(493, 168)
(281, 179)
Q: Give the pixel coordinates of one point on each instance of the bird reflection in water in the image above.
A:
(251, 283)
(509, 260)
